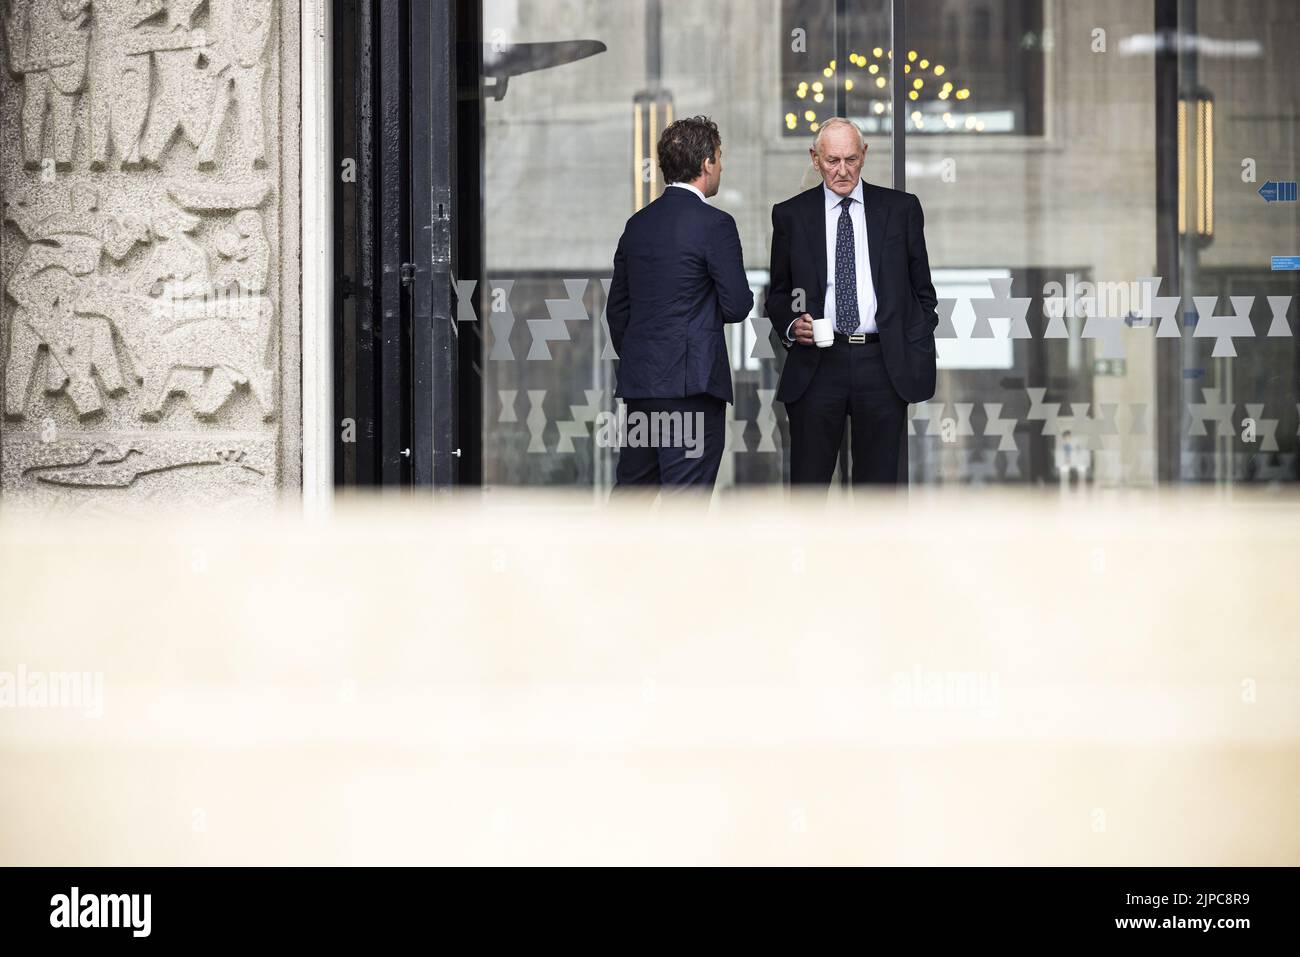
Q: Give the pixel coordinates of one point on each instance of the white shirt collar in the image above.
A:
(833, 198)
(690, 187)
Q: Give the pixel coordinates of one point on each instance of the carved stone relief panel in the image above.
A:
(148, 252)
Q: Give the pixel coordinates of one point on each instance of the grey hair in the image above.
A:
(833, 122)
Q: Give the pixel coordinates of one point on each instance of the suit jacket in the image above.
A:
(906, 314)
(679, 275)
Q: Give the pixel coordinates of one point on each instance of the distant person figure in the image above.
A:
(851, 257)
(679, 276)
(1073, 460)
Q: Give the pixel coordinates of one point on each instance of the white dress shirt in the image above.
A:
(690, 187)
(861, 254)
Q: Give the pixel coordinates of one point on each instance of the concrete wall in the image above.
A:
(150, 252)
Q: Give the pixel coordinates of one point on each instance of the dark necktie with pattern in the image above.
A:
(846, 273)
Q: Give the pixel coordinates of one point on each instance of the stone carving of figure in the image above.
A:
(177, 261)
(183, 336)
(119, 80)
(245, 253)
(239, 32)
(121, 75)
(47, 47)
(175, 354)
(184, 90)
(62, 258)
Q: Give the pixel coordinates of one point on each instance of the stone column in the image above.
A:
(149, 252)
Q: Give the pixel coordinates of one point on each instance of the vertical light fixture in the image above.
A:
(1196, 118)
(1205, 167)
(651, 112)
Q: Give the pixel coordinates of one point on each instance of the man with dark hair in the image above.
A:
(679, 276)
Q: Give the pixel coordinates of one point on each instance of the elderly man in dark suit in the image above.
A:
(852, 253)
(679, 277)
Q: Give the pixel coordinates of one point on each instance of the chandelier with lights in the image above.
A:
(928, 88)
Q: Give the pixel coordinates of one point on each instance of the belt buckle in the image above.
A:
(858, 338)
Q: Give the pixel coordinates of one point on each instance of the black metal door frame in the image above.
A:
(395, 332)
(470, 258)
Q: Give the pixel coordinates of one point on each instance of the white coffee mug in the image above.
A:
(823, 332)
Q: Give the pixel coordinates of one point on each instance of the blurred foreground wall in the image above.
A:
(965, 679)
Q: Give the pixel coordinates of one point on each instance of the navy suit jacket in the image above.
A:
(906, 305)
(679, 275)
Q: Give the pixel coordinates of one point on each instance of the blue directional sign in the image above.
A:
(1286, 262)
(1278, 192)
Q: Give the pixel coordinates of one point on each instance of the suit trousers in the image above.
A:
(851, 381)
(672, 442)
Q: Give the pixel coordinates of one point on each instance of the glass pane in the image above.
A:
(569, 156)
(1239, 87)
(1090, 154)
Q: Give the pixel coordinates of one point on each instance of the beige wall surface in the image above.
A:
(1086, 680)
(149, 252)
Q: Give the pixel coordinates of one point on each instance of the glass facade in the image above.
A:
(1105, 188)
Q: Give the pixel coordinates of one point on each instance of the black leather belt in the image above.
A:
(858, 338)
